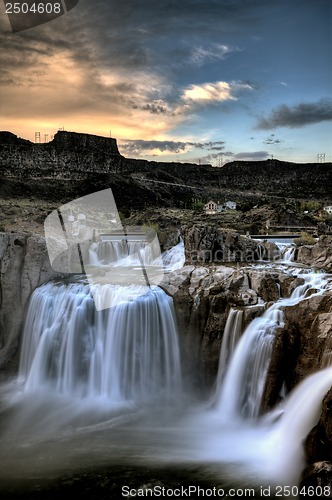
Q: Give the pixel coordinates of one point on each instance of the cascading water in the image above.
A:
(244, 370)
(231, 337)
(127, 352)
(174, 258)
(287, 251)
(121, 253)
(242, 389)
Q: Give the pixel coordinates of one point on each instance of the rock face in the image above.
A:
(203, 296)
(204, 243)
(24, 265)
(68, 156)
(319, 255)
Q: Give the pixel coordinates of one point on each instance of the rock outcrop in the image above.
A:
(209, 243)
(24, 265)
(319, 255)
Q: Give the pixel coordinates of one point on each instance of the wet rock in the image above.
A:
(317, 474)
(265, 284)
(318, 444)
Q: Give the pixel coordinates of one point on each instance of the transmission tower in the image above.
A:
(321, 158)
(37, 136)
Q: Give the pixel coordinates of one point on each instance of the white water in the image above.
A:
(76, 363)
(230, 339)
(127, 352)
(287, 252)
(134, 253)
(242, 389)
(174, 258)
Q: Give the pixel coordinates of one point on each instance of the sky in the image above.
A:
(205, 81)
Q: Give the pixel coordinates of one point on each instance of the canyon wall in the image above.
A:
(24, 265)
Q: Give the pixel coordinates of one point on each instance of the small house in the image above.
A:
(210, 207)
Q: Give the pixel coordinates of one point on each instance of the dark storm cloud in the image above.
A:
(136, 34)
(130, 147)
(297, 116)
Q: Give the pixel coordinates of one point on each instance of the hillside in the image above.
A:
(75, 164)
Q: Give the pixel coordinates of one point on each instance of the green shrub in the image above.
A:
(304, 239)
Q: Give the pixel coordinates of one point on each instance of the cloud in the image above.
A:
(209, 93)
(154, 147)
(272, 140)
(297, 116)
(213, 52)
(252, 155)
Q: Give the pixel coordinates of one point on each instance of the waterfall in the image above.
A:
(284, 444)
(261, 251)
(127, 352)
(174, 258)
(287, 252)
(96, 385)
(134, 253)
(231, 336)
(244, 381)
(242, 372)
(121, 253)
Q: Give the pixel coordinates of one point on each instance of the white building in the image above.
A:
(211, 207)
(328, 209)
(230, 205)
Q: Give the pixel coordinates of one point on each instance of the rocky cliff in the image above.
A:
(83, 157)
(24, 265)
